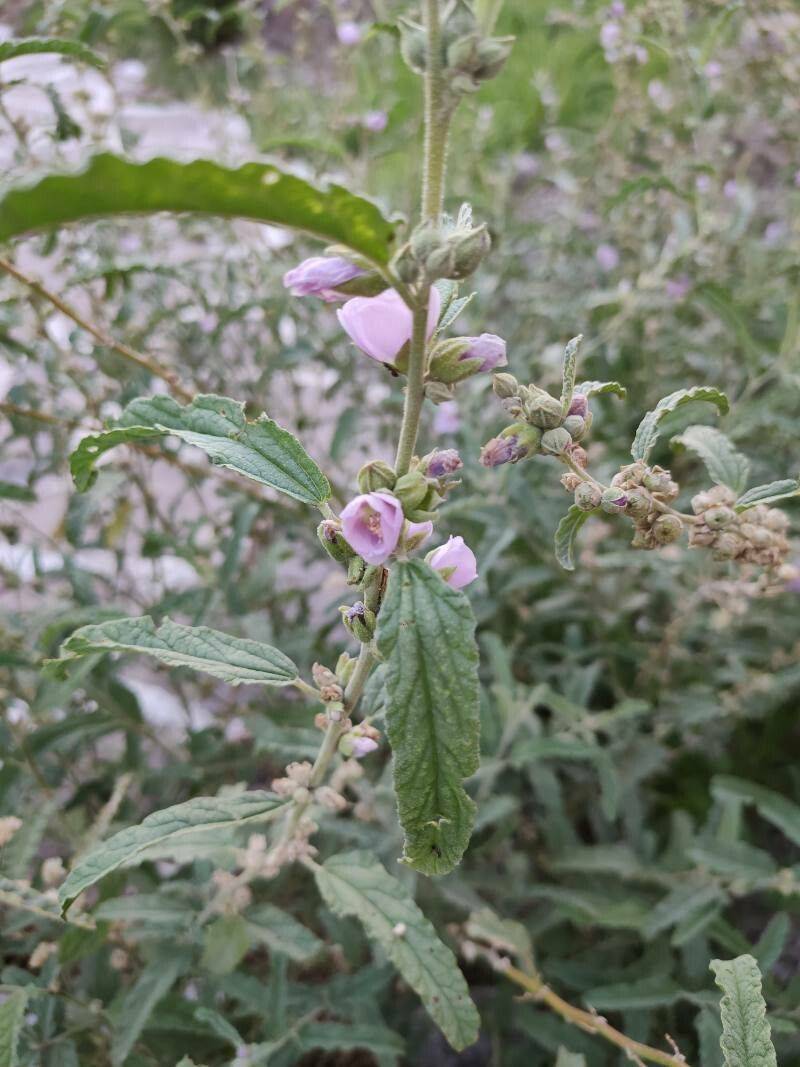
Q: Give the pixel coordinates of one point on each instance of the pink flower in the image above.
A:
(489, 348)
(447, 418)
(456, 558)
(375, 121)
(381, 325)
(607, 257)
(348, 32)
(319, 276)
(362, 746)
(371, 524)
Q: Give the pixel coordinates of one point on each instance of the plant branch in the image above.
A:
(100, 335)
(587, 1020)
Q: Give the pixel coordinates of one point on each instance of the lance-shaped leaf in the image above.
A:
(28, 46)
(746, 1037)
(110, 185)
(724, 463)
(426, 635)
(138, 1001)
(648, 431)
(768, 494)
(568, 374)
(597, 388)
(171, 826)
(566, 533)
(12, 1014)
(260, 450)
(354, 883)
(236, 660)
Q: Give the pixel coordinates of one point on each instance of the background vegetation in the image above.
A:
(637, 164)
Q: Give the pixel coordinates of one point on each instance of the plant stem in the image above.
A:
(105, 339)
(437, 123)
(355, 687)
(589, 1021)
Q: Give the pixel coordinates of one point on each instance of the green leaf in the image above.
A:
(566, 532)
(568, 374)
(773, 807)
(771, 944)
(565, 1058)
(426, 634)
(647, 433)
(261, 450)
(597, 388)
(225, 943)
(768, 494)
(385, 1045)
(725, 465)
(170, 826)
(683, 902)
(508, 935)
(138, 1002)
(353, 883)
(12, 1013)
(282, 933)
(746, 1038)
(109, 185)
(28, 46)
(13, 491)
(236, 660)
(655, 991)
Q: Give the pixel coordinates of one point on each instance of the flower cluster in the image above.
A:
(757, 535)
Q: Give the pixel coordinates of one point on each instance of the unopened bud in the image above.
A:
(579, 405)
(469, 248)
(505, 386)
(360, 621)
(516, 442)
(376, 475)
(727, 546)
(613, 500)
(440, 463)
(438, 392)
(544, 411)
(639, 503)
(411, 489)
(345, 665)
(322, 676)
(667, 528)
(575, 425)
(719, 517)
(330, 537)
(355, 570)
(556, 441)
(587, 496)
(413, 45)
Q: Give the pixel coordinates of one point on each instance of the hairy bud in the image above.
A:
(411, 489)
(587, 496)
(543, 410)
(505, 386)
(556, 441)
(575, 425)
(469, 249)
(667, 528)
(360, 621)
(376, 475)
(613, 501)
(330, 537)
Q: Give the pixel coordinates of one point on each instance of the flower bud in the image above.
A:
(556, 441)
(321, 276)
(359, 620)
(516, 442)
(727, 546)
(505, 386)
(575, 425)
(639, 503)
(413, 45)
(416, 534)
(439, 263)
(322, 675)
(406, 265)
(613, 501)
(411, 489)
(455, 561)
(544, 410)
(449, 362)
(469, 248)
(345, 665)
(376, 475)
(570, 481)
(579, 405)
(332, 540)
(667, 528)
(440, 463)
(579, 456)
(425, 240)
(587, 496)
(718, 517)
(355, 570)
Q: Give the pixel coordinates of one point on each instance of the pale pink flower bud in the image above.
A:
(371, 524)
(443, 462)
(362, 746)
(381, 325)
(456, 558)
(319, 276)
(489, 348)
(579, 405)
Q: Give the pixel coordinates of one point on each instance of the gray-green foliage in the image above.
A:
(426, 635)
(746, 1040)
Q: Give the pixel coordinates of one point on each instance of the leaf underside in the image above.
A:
(566, 534)
(648, 431)
(746, 1037)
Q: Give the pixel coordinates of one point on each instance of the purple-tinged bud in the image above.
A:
(371, 524)
(330, 536)
(613, 501)
(556, 441)
(442, 462)
(381, 325)
(498, 451)
(516, 442)
(456, 562)
(416, 534)
(360, 621)
(579, 405)
(321, 276)
(489, 349)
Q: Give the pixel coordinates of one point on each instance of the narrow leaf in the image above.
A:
(724, 463)
(138, 1002)
(597, 388)
(235, 660)
(169, 826)
(683, 902)
(426, 634)
(647, 433)
(110, 185)
(28, 46)
(12, 1013)
(355, 884)
(566, 533)
(773, 807)
(568, 373)
(746, 1038)
(261, 450)
(768, 494)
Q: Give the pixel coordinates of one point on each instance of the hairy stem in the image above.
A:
(589, 1021)
(415, 390)
(100, 335)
